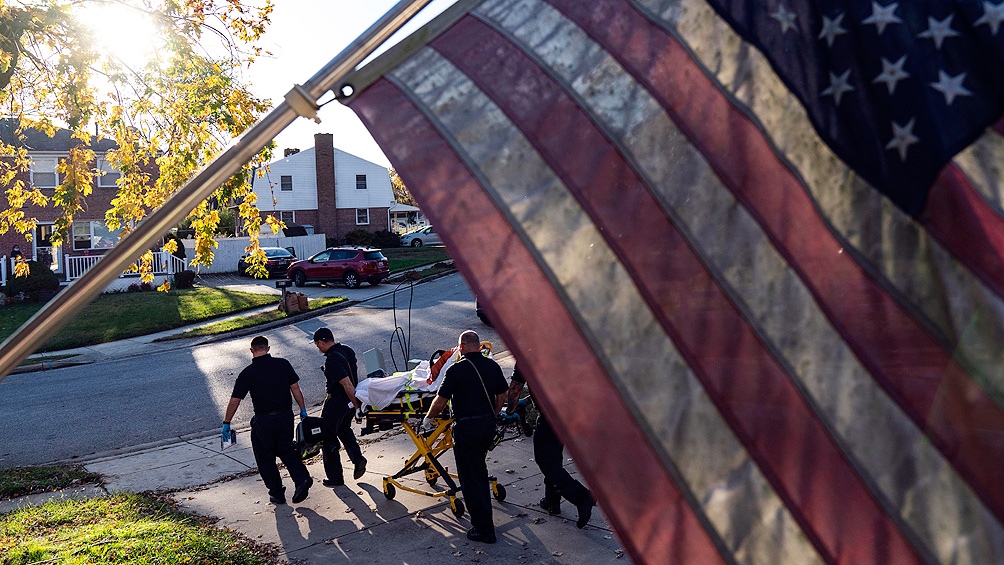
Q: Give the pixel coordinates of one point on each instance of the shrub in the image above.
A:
(134, 287)
(39, 282)
(331, 241)
(384, 238)
(359, 237)
(145, 286)
(184, 279)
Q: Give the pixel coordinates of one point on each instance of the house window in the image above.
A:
(287, 217)
(286, 182)
(362, 216)
(107, 175)
(43, 172)
(94, 235)
(361, 183)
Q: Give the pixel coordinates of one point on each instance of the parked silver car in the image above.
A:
(424, 236)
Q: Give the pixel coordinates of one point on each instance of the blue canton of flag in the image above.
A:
(895, 88)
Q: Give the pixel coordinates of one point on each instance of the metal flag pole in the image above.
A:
(300, 101)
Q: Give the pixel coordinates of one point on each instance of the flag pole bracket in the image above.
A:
(301, 103)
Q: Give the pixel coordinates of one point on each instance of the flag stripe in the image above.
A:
(783, 436)
(916, 370)
(957, 215)
(658, 533)
(682, 420)
(889, 243)
(759, 319)
(980, 163)
(903, 447)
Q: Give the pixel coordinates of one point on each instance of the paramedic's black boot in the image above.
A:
(301, 490)
(474, 535)
(279, 497)
(552, 508)
(333, 482)
(360, 469)
(585, 511)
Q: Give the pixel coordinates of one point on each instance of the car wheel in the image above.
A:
(416, 243)
(351, 279)
(242, 269)
(299, 279)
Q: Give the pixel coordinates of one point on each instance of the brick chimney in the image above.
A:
(324, 163)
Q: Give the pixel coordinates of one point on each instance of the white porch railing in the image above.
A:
(163, 264)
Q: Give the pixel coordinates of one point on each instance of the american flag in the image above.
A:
(749, 252)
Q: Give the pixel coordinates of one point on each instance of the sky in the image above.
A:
(304, 36)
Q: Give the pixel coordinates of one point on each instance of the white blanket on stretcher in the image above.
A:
(381, 392)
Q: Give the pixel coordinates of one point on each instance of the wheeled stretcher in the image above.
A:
(407, 410)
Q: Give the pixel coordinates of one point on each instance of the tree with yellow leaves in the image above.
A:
(171, 110)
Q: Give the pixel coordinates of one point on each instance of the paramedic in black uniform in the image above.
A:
(548, 452)
(270, 380)
(477, 388)
(340, 374)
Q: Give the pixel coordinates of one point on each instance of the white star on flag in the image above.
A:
(902, 138)
(892, 73)
(938, 30)
(993, 15)
(883, 16)
(831, 29)
(838, 86)
(950, 86)
(785, 18)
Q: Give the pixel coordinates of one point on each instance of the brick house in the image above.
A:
(329, 190)
(90, 236)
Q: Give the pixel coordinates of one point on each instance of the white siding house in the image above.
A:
(327, 190)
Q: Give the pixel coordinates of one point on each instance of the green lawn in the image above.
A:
(403, 258)
(19, 481)
(118, 316)
(113, 317)
(121, 528)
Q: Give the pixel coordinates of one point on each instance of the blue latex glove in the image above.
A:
(226, 432)
(303, 413)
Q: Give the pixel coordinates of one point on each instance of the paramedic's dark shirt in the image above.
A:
(461, 385)
(338, 361)
(268, 380)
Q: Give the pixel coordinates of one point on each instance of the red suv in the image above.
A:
(351, 265)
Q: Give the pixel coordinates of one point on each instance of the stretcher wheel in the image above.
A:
(457, 507)
(389, 491)
(499, 492)
(432, 482)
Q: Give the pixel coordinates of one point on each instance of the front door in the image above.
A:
(44, 250)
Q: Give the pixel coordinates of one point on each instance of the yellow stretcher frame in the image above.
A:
(428, 448)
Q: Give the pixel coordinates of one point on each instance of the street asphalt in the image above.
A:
(352, 523)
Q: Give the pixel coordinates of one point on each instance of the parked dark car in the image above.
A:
(277, 261)
(350, 265)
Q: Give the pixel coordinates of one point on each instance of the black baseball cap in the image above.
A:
(323, 334)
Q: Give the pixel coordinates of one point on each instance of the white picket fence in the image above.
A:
(3, 270)
(231, 249)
